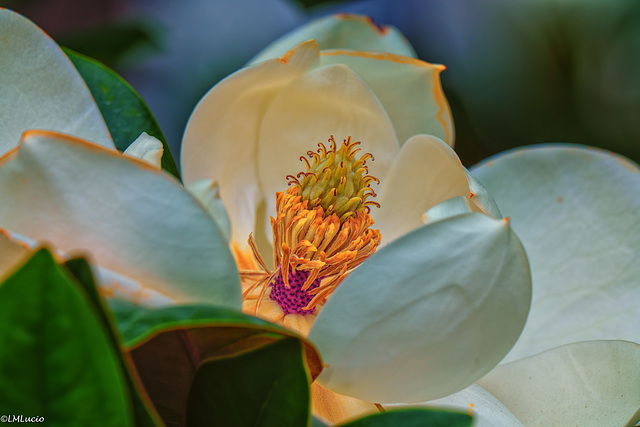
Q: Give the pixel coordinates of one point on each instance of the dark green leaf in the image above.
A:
(169, 344)
(57, 360)
(413, 418)
(123, 110)
(144, 413)
(268, 386)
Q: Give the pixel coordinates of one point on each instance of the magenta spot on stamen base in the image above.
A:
(293, 299)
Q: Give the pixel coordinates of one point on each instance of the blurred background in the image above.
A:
(518, 72)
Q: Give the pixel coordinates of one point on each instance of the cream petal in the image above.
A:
(593, 383)
(577, 211)
(40, 88)
(409, 90)
(487, 411)
(342, 31)
(330, 100)
(114, 285)
(132, 219)
(110, 284)
(427, 315)
(207, 192)
(14, 247)
(12, 254)
(221, 139)
(146, 148)
(481, 199)
(425, 172)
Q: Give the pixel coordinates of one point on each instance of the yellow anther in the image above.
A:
(321, 229)
(335, 177)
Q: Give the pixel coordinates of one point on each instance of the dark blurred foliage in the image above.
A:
(310, 4)
(518, 72)
(59, 16)
(116, 44)
(530, 71)
(97, 28)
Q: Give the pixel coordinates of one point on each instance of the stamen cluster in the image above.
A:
(321, 230)
(336, 180)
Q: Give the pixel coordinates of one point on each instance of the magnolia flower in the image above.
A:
(448, 300)
(65, 185)
(438, 305)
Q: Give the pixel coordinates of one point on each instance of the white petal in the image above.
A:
(114, 285)
(207, 192)
(131, 218)
(110, 284)
(221, 139)
(424, 173)
(40, 88)
(409, 90)
(451, 207)
(481, 197)
(577, 211)
(427, 315)
(487, 411)
(594, 383)
(341, 31)
(146, 148)
(327, 101)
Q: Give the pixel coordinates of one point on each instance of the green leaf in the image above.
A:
(168, 345)
(143, 411)
(57, 360)
(124, 111)
(267, 387)
(413, 418)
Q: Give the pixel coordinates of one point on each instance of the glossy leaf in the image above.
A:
(58, 361)
(169, 344)
(268, 386)
(125, 113)
(413, 418)
(143, 411)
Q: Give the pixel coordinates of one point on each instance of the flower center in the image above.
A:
(294, 297)
(321, 231)
(336, 180)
